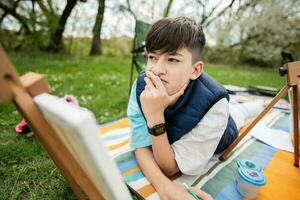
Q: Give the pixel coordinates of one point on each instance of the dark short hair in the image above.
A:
(171, 34)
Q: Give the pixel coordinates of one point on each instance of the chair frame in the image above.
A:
(136, 50)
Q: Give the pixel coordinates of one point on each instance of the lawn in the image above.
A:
(101, 85)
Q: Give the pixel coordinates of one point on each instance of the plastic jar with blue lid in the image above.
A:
(249, 181)
(249, 164)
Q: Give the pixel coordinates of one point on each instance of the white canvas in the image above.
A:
(78, 130)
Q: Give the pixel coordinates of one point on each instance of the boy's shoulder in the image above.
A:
(206, 86)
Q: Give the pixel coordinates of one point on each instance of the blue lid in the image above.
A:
(248, 164)
(251, 176)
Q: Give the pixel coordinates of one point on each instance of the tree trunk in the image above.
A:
(33, 15)
(167, 9)
(56, 38)
(96, 47)
(12, 11)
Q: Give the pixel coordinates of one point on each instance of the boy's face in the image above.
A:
(174, 69)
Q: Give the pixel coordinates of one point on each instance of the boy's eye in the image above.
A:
(173, 60)
(151, 57)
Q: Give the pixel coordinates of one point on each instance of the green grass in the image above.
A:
(245, 75)
(101, 85)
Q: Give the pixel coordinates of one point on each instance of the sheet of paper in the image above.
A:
(276, 138)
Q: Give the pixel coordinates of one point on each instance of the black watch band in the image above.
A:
(157, 129)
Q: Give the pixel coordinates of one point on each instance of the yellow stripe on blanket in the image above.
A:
(283, 179)
(122, 123)
(119, 145)
(135, 169)
(146, 191)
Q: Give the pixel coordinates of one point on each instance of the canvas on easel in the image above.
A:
(78, 130)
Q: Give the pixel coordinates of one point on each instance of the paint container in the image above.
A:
(249, 181)
(249, 164)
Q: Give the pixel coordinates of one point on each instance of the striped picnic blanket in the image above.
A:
(220, 178)
(283, 179)
(116, 136)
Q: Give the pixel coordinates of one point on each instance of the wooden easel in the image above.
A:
(20, 91)
(292, 73)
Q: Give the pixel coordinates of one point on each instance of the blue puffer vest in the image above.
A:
(199, 96)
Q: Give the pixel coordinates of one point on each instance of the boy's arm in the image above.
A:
(164, 187)
(154, 100)
(150, 168)
(164, 154)
(140, 137)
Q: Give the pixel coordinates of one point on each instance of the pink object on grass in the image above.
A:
(24, 129)
(19, 128)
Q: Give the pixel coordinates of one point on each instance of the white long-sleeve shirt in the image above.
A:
(194, 149)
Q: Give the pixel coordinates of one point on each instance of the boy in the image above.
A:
(179, 115)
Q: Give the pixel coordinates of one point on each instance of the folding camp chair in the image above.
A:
(68, 133)
(138, 49)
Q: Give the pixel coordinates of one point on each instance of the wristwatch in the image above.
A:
(157, 129)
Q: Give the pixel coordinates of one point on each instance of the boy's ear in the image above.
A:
(198, 69)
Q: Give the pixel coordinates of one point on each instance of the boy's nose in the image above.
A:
(159, 68)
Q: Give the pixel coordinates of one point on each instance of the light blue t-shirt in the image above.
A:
(138, 125)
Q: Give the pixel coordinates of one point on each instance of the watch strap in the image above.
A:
(157, 129)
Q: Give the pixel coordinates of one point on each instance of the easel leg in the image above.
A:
(254, 122)
(296, 125)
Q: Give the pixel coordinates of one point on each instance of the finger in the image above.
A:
(156, 80)
(149, 84)
(147, 90)
(201, 194)
(179, 93)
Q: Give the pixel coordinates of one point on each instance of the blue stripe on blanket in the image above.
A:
(126, 165)
(126, 162)
(134, 177)
(116, 136)
(261, 157)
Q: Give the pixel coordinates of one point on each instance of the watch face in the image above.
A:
(159, 130)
